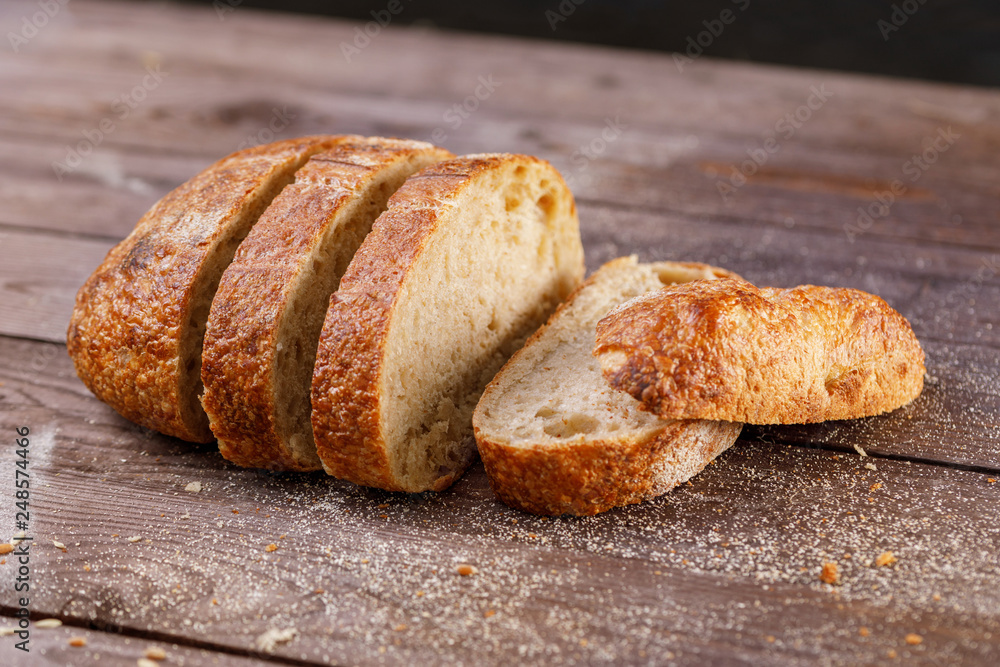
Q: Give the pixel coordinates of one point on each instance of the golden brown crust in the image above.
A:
(596, 475)
(727, 350)
(241, 361)
(345, 392)
(134, 317)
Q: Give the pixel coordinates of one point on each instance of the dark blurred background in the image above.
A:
(944, 40)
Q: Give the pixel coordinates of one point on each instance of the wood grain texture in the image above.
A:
(51, 647)
(739, 548)
(710, 574)
(692, 130)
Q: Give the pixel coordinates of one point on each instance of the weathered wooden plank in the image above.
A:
(50, 646)
(689, 132)
(938, 288)
(726, 566)
(39, 277)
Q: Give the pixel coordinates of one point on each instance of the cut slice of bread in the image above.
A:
(556, 439)
(137, 329)
(729, 350)
(470, 257)
(264, 326)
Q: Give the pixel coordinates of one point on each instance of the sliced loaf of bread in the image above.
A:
(471, 256)
(264, 326)
(137, 329)
(556, 439)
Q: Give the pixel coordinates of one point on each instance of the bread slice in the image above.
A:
(556, 439)
(470, 257)
(136, 331)
(263, 329)
(728, 350)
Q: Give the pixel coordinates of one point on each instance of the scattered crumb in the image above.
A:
(936, 597)
(490, 613)
(875, 487)
(830, 574)
(400, 628)
(466, 570)
(914, 639)
(77, 641)
(86, 568)
(770, 639)
(859, 450)
(155, 653)
(59, 545)
(134, 538)
(991, 480)
(420, 594)
(885, 558)
(193, 487)
(48, 623)
(891, 653)
(863, 631)
(870, 466)
(583, 642)
(270, 640)
(271, 547)
(6, 548)
(145, 662)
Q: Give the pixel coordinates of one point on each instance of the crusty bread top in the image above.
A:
(136, 331)
(727, 350)
(264, 325)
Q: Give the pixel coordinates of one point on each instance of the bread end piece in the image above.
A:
(728, 350)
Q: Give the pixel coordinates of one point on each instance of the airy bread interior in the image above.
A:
(552, 391)
(503, 255)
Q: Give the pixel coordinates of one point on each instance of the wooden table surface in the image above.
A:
(766, 171)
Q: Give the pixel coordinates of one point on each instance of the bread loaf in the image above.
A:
(470, 257)
(137, 328)
(264, 325)
(556, 439)
(728, 350)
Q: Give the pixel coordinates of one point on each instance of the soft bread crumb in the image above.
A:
(830, 574)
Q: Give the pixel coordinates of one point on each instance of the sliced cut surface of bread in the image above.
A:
(556, 439)
(470, 257)
(265, 321)
(138, 325)
(730, 350)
